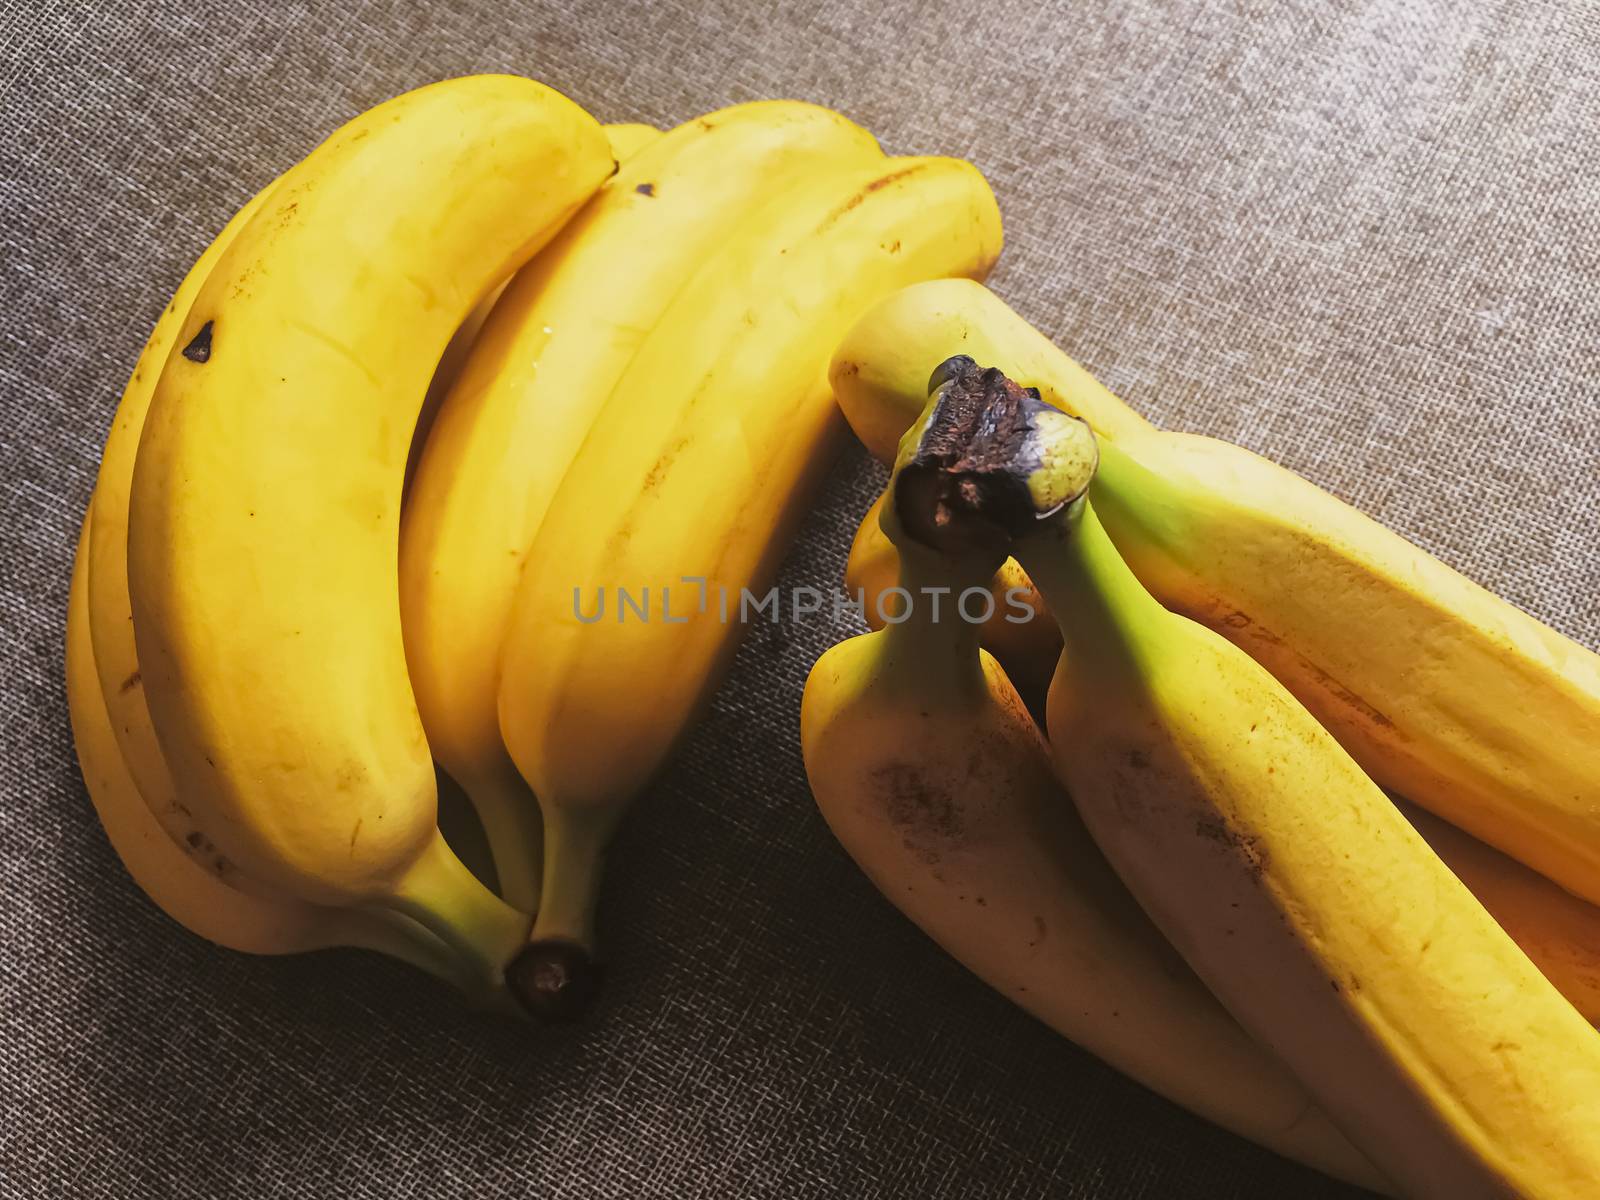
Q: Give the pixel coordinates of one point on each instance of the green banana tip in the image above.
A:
(554, 979)
(987, 462)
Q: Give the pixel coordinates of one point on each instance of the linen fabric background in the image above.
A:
(1360, 237)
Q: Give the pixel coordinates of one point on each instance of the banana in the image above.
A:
(629, 137)
(1018, 630)
(880, 369)
(692, 478)
(110, 619)
(184, 889)
(1558, 931)
(625, 141)
(129, 782)
(545, 362)
(1443, 692)
(929, 770)
(1281, 872)
(263, 530)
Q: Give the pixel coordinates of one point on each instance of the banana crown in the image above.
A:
(987, 462)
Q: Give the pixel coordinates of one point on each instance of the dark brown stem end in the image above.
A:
(970, 481)
(555, 980)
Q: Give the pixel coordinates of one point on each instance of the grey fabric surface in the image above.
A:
(1361, 237)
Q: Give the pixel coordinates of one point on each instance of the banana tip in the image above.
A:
(555, 980)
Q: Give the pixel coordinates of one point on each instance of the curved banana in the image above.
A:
(1282, 874)
(264, 510)
(1557, 930)
(545, 362)
(185, 889)
(1443, 692)
(931, 773)
(689, 484)
(110, 611)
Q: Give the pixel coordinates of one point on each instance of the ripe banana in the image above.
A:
(931, 773)
(1557, 930)
(1282, 874)
(186, 890)
(158, 839)
(110, 621)
(264, 508)
(1443, 692)
(625, 141)
(689, 484)
(545, 362)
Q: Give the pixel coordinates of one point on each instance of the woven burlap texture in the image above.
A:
(1359, 237)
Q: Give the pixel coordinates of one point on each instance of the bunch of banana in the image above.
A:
(1557, 930)
(929, 770)
(1283, 875)
(509, 427)
(236, 668)
(680, 502)
(579, 377)
(1441, 691)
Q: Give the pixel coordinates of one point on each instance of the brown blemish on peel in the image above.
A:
(1346, 696)
(199, 348)
(646, 189)
(876, 185)
(920, 806)
(658, 470)
(131, 682)
(1240, 623)
(1249, 848)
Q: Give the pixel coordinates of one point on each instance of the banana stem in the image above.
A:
(988, 462)
(515, 832)
(1096, 599)
(933, 647)
(556, 975)
(439, 893)
(575, 848)
(396, 935)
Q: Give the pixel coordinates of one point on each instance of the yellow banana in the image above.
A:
(698, 467)
(625, 141)
(1282, 874)
(116, 655)
(545, 362)
(1443, 692)
(264, 509)
(629, 137)
(185, 889)
(1558, 931)
(129, 782)
(929, 770)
